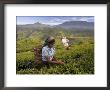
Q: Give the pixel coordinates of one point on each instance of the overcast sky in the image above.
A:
(51, 20)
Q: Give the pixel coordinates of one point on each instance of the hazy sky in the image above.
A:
(51, 20)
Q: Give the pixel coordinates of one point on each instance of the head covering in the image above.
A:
(64, 37)
(49, 40)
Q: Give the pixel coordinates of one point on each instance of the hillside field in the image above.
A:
(78, 60)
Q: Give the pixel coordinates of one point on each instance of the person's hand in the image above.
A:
(60, 62)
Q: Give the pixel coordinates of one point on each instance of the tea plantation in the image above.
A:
(79, 59)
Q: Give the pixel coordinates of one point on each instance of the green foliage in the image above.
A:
(78, 60)
(28, 44)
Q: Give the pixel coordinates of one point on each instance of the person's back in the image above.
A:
(65, 42)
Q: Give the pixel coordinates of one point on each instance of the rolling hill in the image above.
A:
(79, 25)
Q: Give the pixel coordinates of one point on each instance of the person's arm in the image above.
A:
(67, 40)
(54, 62)
(50, 61)
(45, 54)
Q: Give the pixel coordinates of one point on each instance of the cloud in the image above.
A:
(74, 18)
(85, 18)
(52, 23)
(55, 21)
(52, 20)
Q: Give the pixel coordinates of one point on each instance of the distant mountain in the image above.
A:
(77, 25)
(33, 26)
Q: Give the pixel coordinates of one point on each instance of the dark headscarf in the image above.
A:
(49, 40)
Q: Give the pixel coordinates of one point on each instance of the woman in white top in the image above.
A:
(65, 42)
(48, 52)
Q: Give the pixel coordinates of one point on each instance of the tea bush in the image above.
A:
(78, 60)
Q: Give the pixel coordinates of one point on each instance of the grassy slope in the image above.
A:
(78, 60)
